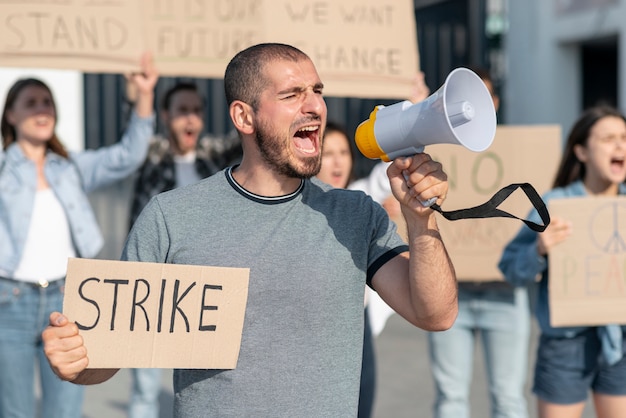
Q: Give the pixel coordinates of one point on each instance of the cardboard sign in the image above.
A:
(138, 315)
(362, 48)
(587, 283)
(519, 154)
(199, 37)
(87, 35)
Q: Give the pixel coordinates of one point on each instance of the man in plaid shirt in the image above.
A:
(182, 157)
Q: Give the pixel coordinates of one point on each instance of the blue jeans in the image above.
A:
(24, 312)
(144, 400)
(501, 316)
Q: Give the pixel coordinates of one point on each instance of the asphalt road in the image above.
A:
(405, 386)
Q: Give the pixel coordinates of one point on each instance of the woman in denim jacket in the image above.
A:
(573, 360)
(45, 218)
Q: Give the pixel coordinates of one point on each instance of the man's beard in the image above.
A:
(276, 153)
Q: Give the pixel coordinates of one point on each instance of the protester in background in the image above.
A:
(184, 155)
(180, 158)
(498, 315)
(45, 218)
(337, 157)
(337, 170)
(311, 250)
(571, 361)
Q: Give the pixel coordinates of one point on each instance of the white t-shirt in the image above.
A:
(48, 242)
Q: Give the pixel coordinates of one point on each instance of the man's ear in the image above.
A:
(242, 116)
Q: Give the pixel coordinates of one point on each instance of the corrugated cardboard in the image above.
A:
(138, 315)
(587, 282)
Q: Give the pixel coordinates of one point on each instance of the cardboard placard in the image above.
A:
(587, 282)
(199, 37)
(87, 35)
(136, 315)
(361, 48)
(519, 154)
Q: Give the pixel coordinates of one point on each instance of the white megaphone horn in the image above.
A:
(460, 112)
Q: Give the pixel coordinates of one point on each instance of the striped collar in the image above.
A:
(270, 200)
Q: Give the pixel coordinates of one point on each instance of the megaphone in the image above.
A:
(460, 112)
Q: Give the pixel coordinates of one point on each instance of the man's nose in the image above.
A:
(314, 103)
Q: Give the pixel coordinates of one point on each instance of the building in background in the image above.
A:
(561, 57)
(550, 59)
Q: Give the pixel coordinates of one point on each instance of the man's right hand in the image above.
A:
(64, 347)
(67, 354)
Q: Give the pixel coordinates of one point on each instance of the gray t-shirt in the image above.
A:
(309, 254)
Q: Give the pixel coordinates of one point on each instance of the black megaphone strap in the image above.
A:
(490, 209)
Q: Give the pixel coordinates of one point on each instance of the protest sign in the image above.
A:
(87, 35)
(587, 276)
(198, 38)
(362, 48)
(518, 154)
(135, 315)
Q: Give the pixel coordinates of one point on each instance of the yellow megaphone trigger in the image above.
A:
(366, 139)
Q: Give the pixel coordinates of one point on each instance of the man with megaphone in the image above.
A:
(311, 250)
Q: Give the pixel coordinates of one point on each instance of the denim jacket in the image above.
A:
(520, 264)
(71, 180)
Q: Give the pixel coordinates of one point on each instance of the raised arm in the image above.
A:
(106, 165)
(420, 285)
(143, 85)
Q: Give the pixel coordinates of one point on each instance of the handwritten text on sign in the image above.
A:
(75, 34)
(200, 33)
(157, 315)
(362, 48)
(588, 270)
(349, 55)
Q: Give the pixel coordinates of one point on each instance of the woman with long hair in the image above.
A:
(46, 218)
(571, 361)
